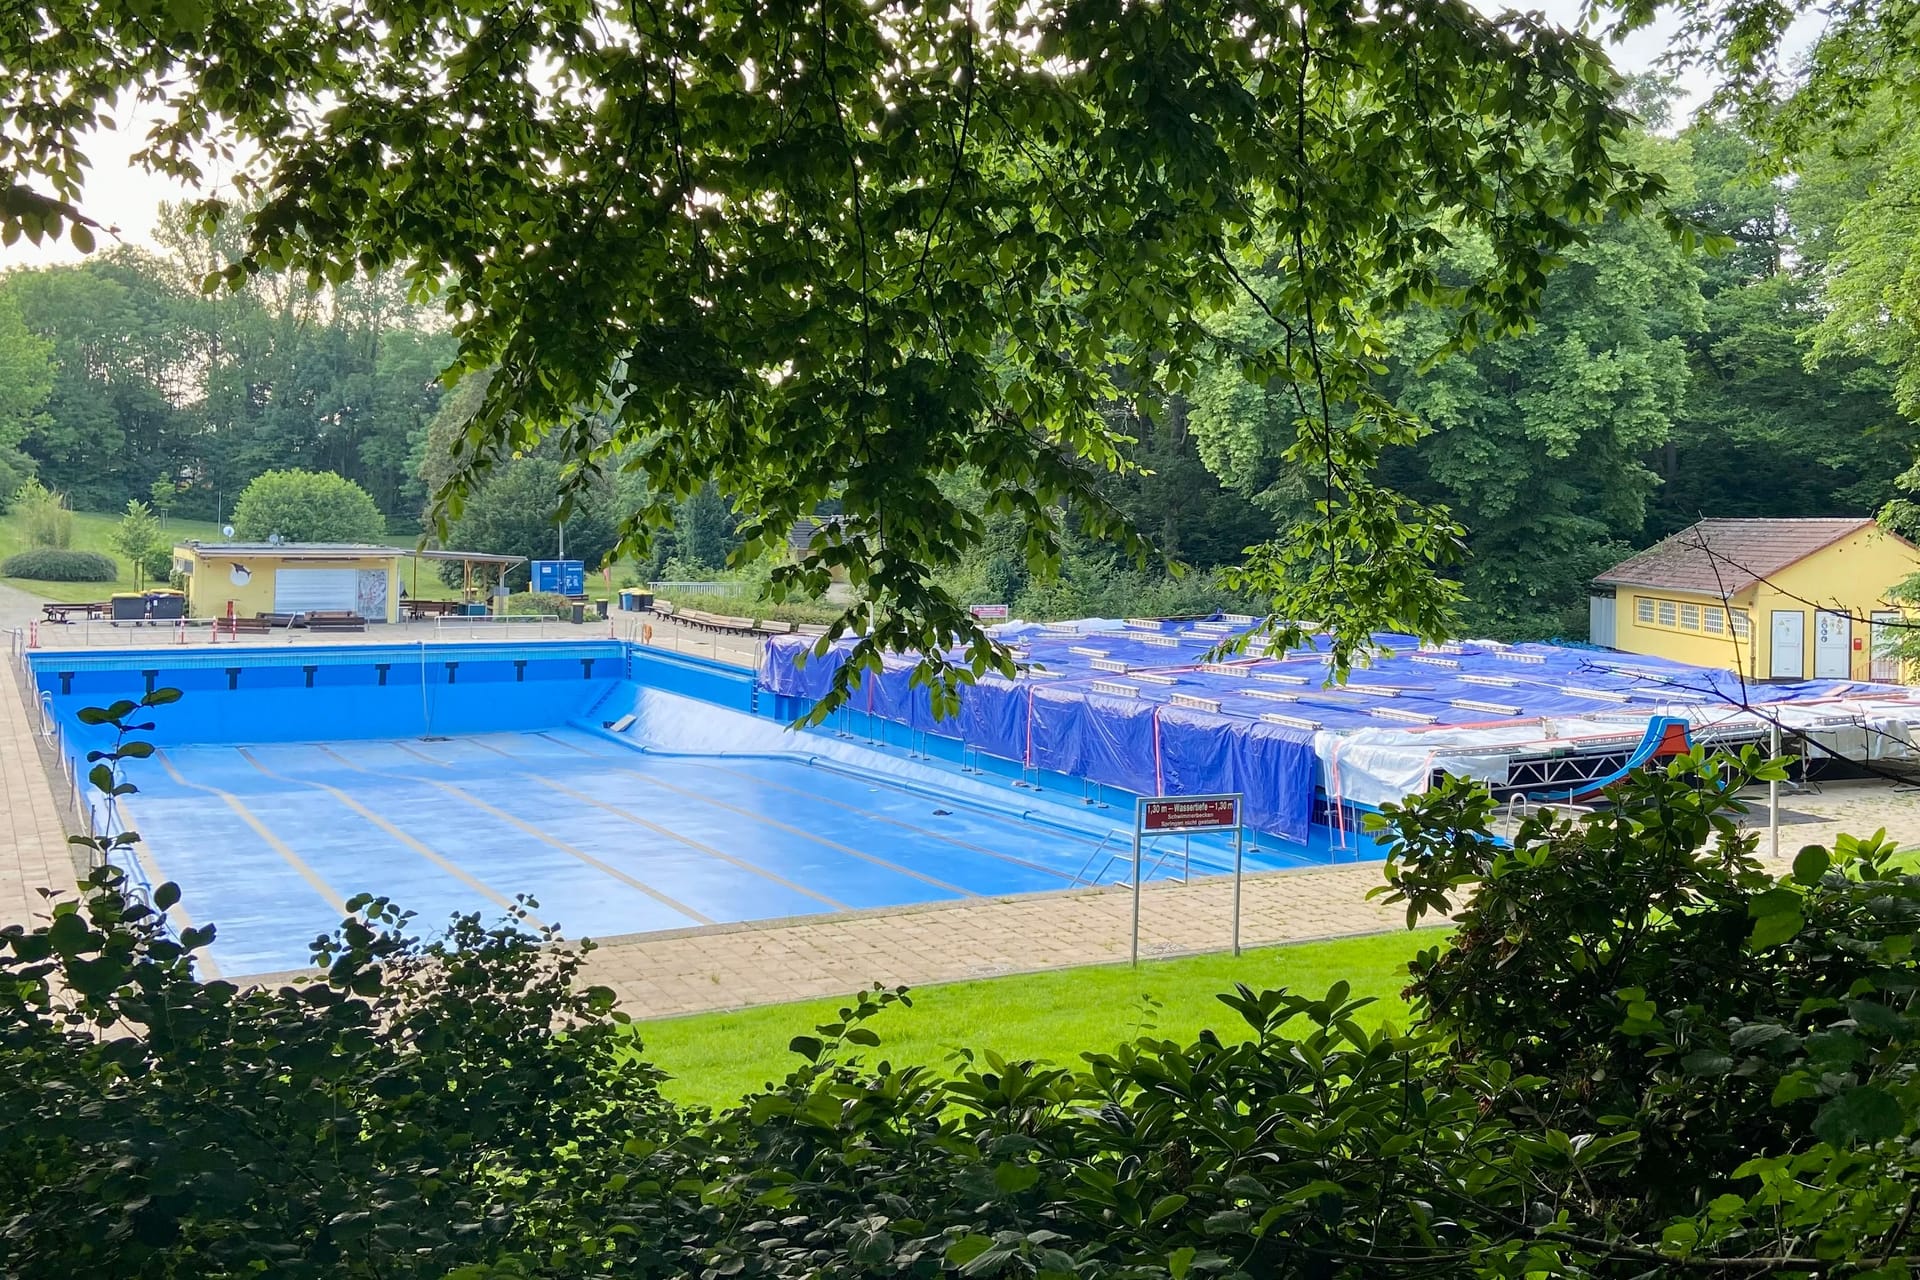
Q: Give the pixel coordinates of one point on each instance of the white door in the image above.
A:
(1832, 646)
(1789, 648)
(308, 590)
(1886, 646)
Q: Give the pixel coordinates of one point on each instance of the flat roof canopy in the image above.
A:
(337, 551)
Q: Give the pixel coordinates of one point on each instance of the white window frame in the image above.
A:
(1643, 610)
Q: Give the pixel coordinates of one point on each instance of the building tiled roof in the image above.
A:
(1722, 557)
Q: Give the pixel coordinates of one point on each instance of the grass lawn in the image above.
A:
(93, 531)
(714, 1058)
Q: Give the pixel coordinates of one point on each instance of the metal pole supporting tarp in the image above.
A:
(1136, 883)
(1773, 799)
(1239, 843)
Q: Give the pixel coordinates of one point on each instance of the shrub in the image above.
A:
(307, 506)
(540, 604)
(159, 565)
(52, 564)
(44, 516)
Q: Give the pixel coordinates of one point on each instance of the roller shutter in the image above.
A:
(309, 590)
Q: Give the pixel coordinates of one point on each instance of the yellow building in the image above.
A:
(1776, 599)
(247, 579)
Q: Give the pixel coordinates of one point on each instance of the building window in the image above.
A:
(1643, 611)
(1740, 624)
(1690, 616)
(1713, 621)
(1669, 611)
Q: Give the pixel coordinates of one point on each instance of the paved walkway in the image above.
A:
(694, 970)
(34, 854)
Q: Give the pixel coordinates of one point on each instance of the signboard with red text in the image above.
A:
(1163, 815)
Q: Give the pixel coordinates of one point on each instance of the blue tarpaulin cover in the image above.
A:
(1115, 701)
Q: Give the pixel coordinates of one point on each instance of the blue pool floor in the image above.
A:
(269, 841)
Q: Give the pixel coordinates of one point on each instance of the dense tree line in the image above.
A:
(143, 377)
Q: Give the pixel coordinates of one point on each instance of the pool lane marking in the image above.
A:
(422, 756)
(177, 913)
(904, 825)
(462, 794)
(690, 842)
(802, 832)
(447, 865)
(1005, 819)
(279, 846)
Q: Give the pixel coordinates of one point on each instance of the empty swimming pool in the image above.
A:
(623, 790)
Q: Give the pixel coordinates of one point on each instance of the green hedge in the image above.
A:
(51, 564)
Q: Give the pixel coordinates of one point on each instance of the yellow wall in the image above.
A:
(1698, 647)
(1852, 576)
(210, 587)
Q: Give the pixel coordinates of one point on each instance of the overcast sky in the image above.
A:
(122, 195)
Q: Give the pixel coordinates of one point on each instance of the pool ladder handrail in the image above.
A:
(1126, 856)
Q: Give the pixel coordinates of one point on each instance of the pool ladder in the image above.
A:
(1125, 856)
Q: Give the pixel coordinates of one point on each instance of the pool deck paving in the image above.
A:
(34, 854)
(729, 966)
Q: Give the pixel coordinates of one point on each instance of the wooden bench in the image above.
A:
(775, 627)
(663, 608)
(64, 612)
(277, 619)
(429, 608)
(245, 626)
(335, 620)
(811, 629)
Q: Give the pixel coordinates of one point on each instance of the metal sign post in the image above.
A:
(1185, 815)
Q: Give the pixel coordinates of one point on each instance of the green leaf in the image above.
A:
(1706, 1062)
(1863, 1114)
(1166, 1206)
(967, 1248)
(1810, 864)
(1180, 1261)
(1772, 930)
(808, 1047)
(1012, 1178)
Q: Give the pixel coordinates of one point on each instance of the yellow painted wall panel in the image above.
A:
(211, 587)
(1852, 576)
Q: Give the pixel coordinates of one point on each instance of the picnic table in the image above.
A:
(56, 612)
(417, 609)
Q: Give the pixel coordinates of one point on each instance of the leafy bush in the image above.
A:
(1642, 1056)
(50, 564)
(159, 565)
(543, 604)
(44, 516)
(307, 506)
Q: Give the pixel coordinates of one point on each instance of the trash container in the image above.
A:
(166, 606)
(579, 611)
(128, 606)
(473, 610)
(600, 607)
(642, 600)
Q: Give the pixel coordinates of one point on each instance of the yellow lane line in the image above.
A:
(178, 911)
(421, 755)
(536, 833)
(451, 868)
(279, 846)
(802, 832)
(904, 825)
(778, 825)
(689, 841)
